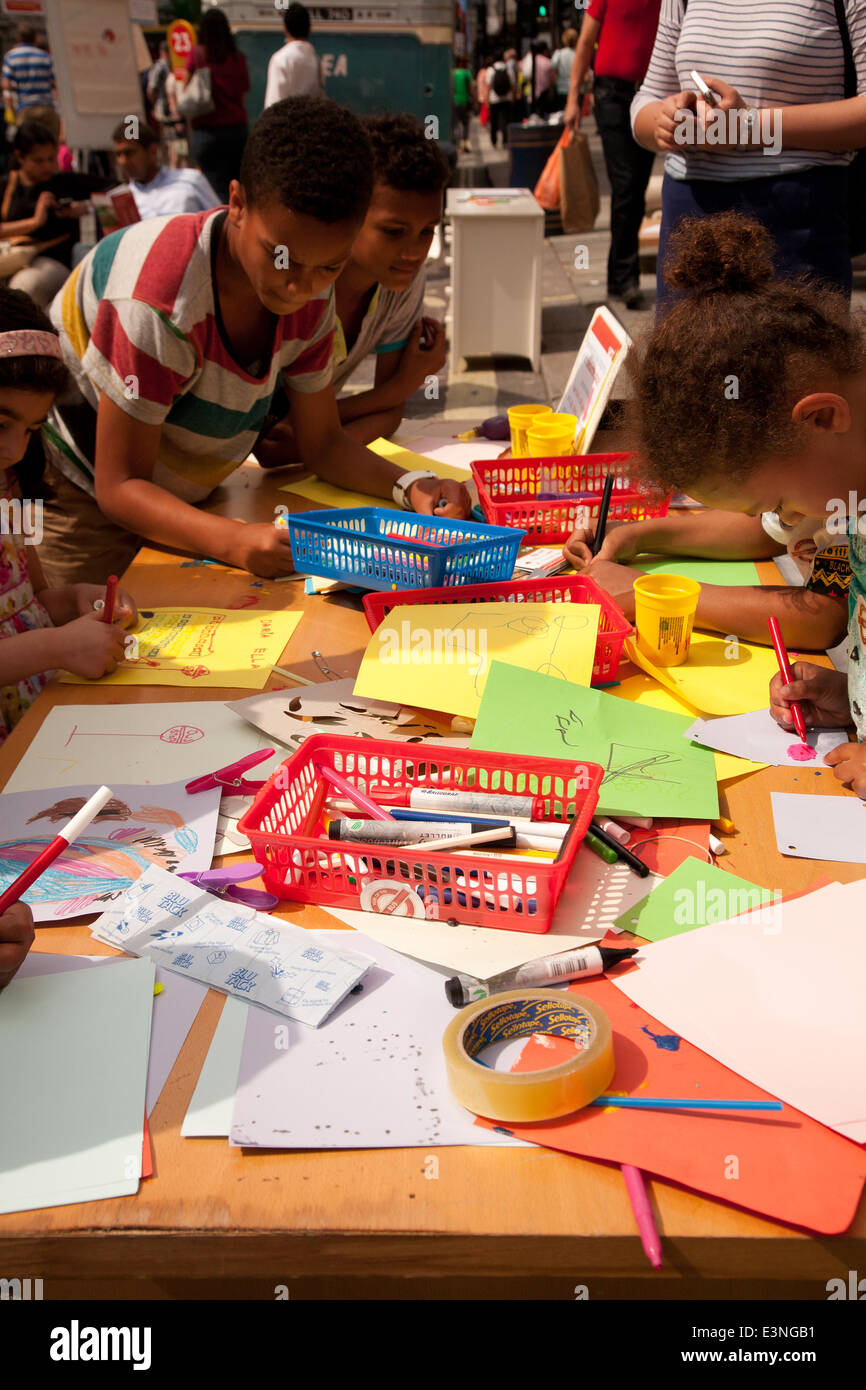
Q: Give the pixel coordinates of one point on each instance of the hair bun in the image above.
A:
(724, 254)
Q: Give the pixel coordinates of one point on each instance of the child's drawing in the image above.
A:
(139, 827)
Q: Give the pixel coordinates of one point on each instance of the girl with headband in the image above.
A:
(41, 629)
(790, 439)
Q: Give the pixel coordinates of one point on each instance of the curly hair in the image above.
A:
(311, 156)
(17, 310)
(716, 380)
(404, 156)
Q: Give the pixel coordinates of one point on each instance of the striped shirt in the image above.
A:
(138, 323)
(774, 52)
(28, 76)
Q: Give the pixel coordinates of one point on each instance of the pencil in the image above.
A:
(110, 595)
(640, 1205)
(601, 524)
(71, 830)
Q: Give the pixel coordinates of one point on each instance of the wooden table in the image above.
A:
(216, 1221)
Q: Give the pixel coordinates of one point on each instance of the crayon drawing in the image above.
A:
(139, 827)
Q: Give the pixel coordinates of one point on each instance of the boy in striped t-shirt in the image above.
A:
(177, 331)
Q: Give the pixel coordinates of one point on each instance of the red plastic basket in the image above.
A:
(613, 626)
(507, 491)
(287, 833)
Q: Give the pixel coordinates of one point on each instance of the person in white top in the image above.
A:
(157, 190)
(294, 70)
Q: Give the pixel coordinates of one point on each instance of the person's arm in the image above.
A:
(16, 938)
(339, 459)
(660, 93)
(28, 226)
(398, 375)
(705, 534)
(126, 454)
(589, 34)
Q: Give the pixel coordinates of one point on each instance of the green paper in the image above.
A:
(692, 896)
(650, 769)
(739, 573)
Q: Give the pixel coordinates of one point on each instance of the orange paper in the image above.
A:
(782, 1164)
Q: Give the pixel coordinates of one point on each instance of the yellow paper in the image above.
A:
(437, 655)
(202, 647)
(327, 495)
(721, 675)
(644, 690)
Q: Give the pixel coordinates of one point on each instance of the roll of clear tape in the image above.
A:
(534, 1095)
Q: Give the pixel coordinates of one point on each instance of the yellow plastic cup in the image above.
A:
(664, 614)
(519, 419)
(552, 436)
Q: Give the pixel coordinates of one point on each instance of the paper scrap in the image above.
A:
(756, 735)
(374, 1078)
(731, 573)
(644, 690)
(210, 1110)
(641, 749)
(692, 896)
(231, 948)
(438, 655)
(820, 827)
(139, 827)
(202, 647)
(72, 1105)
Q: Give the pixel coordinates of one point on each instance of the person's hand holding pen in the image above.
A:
(16, 938)
(440, 497)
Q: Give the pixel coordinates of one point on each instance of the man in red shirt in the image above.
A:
(625, 31)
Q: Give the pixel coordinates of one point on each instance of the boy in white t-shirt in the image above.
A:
(294, 69)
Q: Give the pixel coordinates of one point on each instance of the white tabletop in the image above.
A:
(492, 202)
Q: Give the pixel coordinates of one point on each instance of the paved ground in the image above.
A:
(571, 296)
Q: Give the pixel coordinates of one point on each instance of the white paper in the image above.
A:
(373, 1078)
(231, 948)
(210, 1110)
(820, 827)
(174, 1011)
(147, 743)
(140, 826)
(776, 995)
(332, 707)
(757, 736)
(72, 1092)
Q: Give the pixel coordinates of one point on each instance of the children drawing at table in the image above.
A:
(379, 294)
(812, 618)
(177, 332)
(41, 628)
(16, 938)
(791, 439)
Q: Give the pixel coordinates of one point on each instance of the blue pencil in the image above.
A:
(666, 1103)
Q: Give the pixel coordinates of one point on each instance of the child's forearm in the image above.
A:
(348, 464)
(809, 621)
(27, 654)
(381, 424)
(149, 511)
(705, 535)
(390, 395)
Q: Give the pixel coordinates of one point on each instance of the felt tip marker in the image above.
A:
(548, 970)
(400, 834)
(785, 670)
(64, 838)
(603, 851)
(484, 803)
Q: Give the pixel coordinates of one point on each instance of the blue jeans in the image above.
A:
(805, 213)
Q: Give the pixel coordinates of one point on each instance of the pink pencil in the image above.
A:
(364, 803)
(71, 830)
(640, 1205)
(110, 592)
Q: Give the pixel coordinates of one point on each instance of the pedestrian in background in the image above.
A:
(294, 70)
(464, 97)
(561, 63)
(217, 139)
(500, 96)
(28, 76)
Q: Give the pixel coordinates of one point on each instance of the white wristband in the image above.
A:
(400, 490)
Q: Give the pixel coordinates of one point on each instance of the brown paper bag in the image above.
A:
(579, 199)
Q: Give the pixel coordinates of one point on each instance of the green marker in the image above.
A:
(593, 843)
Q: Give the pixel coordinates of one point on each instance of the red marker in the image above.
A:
(785, 668)
(71, 830)
(110, 592)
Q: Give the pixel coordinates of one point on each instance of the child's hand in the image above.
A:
(821, 694)
(848, 762)
(440, 497)
(616, 580)
(264, 550)
(89, 647)
(16, 938)
(417, 362)
(87, 596)
(616, 545)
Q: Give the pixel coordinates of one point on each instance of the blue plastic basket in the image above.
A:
(380, 549)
